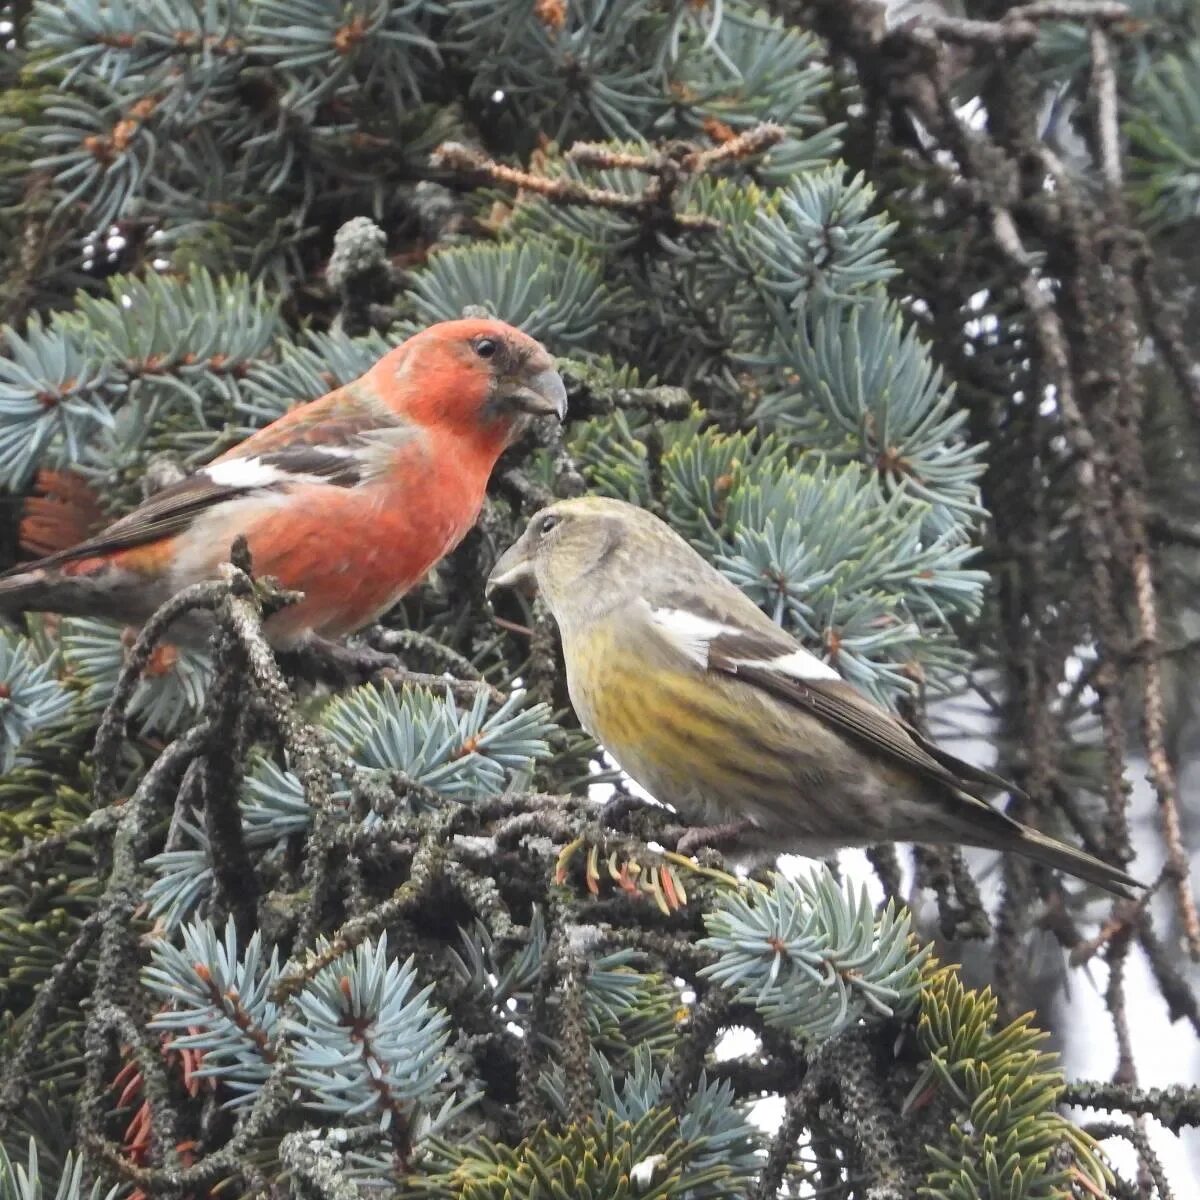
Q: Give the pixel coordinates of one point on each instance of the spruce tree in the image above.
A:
(886, 310)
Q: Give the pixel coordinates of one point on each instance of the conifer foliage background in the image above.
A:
(887, 311)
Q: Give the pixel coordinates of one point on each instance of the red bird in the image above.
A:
(349, 499)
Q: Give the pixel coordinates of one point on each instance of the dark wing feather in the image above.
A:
(342, 470)
(168, 512)
(289, 451)
(748, 656)
(987, 780)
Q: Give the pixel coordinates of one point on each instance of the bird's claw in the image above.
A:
(616, 809)
(330, 662)
(715, 837)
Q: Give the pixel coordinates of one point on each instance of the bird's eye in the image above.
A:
(486, 347)
(547, 523)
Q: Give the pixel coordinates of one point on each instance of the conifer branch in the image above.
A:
(565, 190)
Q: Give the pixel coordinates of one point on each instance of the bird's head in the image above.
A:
(578, 554)
(473, 375)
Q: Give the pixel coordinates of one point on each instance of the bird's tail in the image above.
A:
(22, 590)
(977, 823)
(1051, 852)
(19, 594)
(45, 589)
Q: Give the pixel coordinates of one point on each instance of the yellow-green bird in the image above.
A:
(716, 711)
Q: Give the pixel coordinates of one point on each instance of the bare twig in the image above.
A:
(1162, 772)
(1136, 1136)
(1092, 476)
(694, 161)
(559, 190)
(652, 202)
(1167, 333)
(98, 825)
(1018, 26)
(1175, 1107)
(204, 596)
(16, 1076)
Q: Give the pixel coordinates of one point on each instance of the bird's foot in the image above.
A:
(716, 837)
(318, 660)
(616, 811)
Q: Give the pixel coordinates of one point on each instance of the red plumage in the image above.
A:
(350, 499)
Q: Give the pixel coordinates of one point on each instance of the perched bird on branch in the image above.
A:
(349, 499)
(715, 710)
